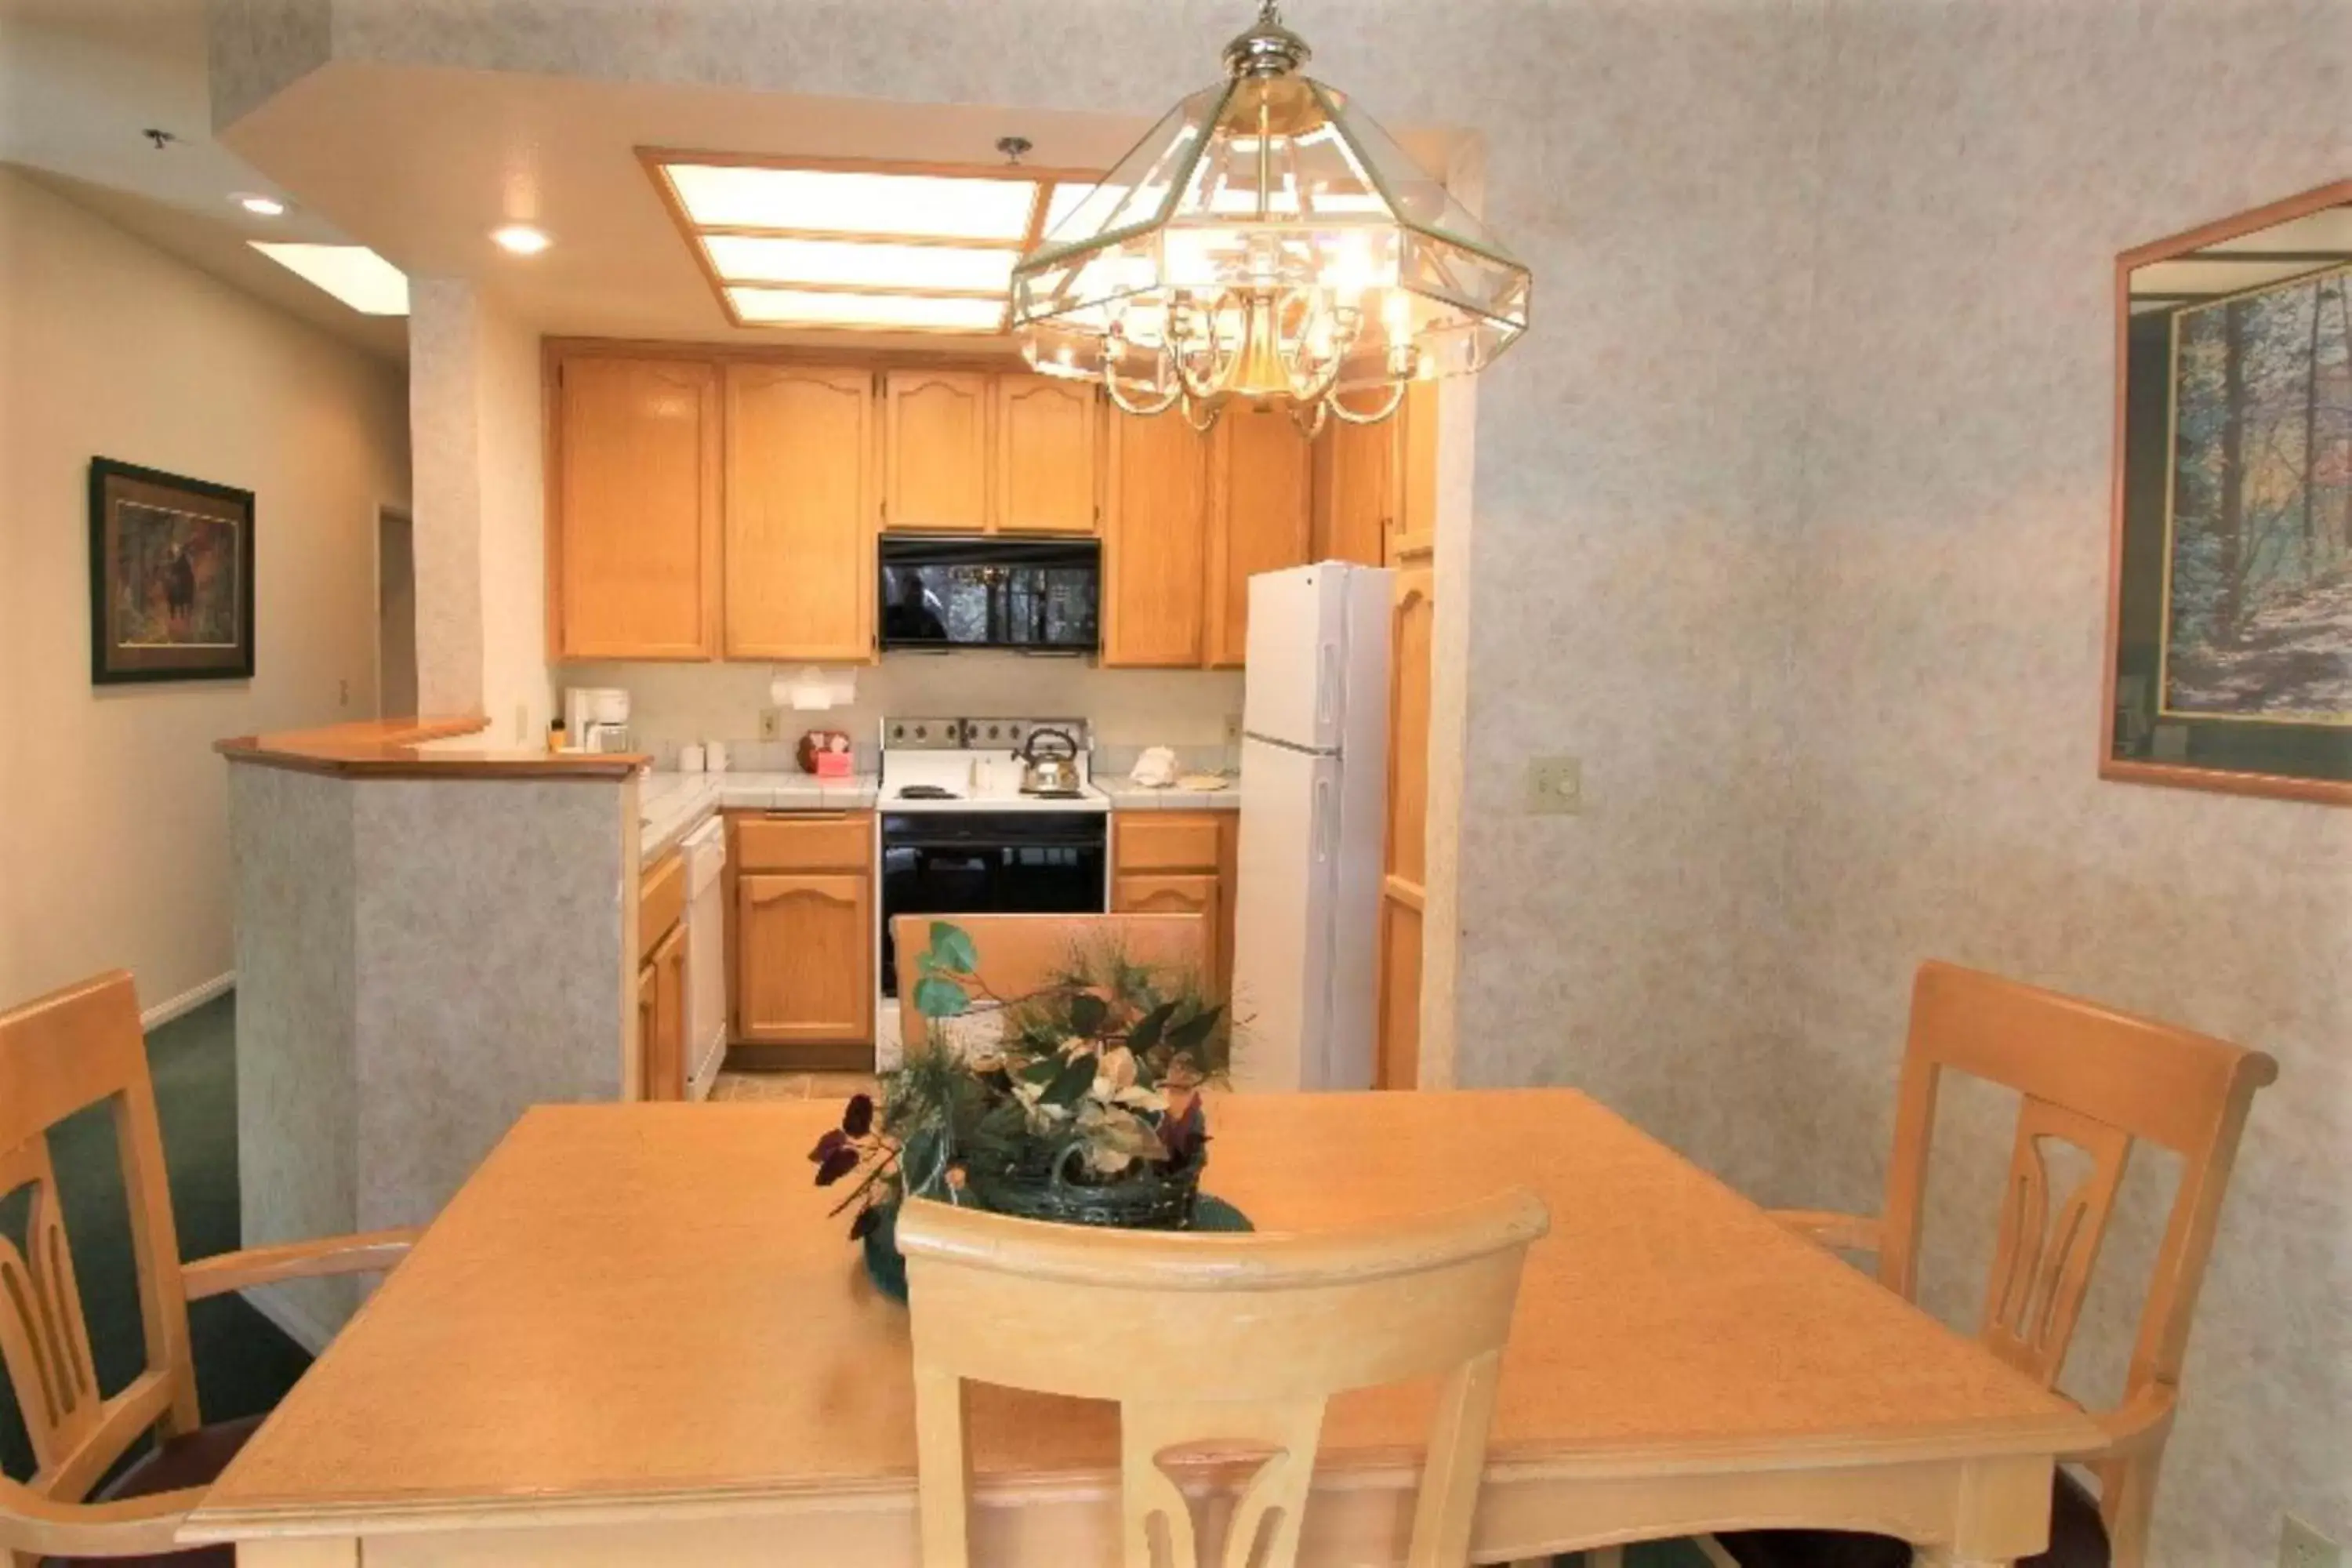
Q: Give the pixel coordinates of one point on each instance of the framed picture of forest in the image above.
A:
(2230, 611)
(171, 576)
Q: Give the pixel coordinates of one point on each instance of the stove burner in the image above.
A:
(927, 791)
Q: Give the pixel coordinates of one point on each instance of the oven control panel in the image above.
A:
(972, 734)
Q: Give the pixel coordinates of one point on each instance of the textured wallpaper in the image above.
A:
(1789, 519)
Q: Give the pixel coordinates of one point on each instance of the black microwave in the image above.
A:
(1033, 595)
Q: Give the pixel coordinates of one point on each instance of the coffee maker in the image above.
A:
(596, 718)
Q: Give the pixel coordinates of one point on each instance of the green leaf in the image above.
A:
(1045, 1069)
(952, 948)
(1087, 1012)
(1149, 1028)
(937, 997)
(1189, 1034)
(1075, 1077)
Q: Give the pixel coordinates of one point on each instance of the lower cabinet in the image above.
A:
(802, 939)
(661, 982)
(1179, 862)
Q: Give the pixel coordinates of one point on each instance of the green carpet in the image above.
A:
(244, 1363)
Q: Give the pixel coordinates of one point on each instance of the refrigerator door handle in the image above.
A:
(1326, 687)
(1327, 823)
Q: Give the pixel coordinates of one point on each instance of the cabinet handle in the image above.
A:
(780, 816)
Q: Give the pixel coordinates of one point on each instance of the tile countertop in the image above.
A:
(1126, 795)
(671, 806)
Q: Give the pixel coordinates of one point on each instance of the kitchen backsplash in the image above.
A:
(671, 704)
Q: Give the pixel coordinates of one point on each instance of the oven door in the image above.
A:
(990, 862)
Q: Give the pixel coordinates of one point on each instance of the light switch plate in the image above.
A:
(2302, 1546)
(772, 724)
(1555, 786)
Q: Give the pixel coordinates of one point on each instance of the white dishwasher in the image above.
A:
(703, 857)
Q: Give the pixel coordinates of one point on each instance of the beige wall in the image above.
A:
(1981, 165)
(481, 570)
(113, 808)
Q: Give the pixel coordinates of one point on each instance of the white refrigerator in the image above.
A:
(1315, 720)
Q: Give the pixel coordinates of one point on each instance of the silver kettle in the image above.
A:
(1046, 771)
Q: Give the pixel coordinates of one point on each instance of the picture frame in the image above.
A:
(171, 577)
(2228, 647)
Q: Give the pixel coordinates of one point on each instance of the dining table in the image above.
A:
(638, 1335)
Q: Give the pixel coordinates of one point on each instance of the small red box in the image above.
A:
(833, 764)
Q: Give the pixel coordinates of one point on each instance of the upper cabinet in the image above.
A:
(1260, 479)
(634, 564)
(1357, 478)
(1155, 542)
(800, 512)
(1046, 474)
(936, 450)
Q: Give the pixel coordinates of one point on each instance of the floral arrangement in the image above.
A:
(1083, 1103)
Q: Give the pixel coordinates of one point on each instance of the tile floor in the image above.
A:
(790, 1085)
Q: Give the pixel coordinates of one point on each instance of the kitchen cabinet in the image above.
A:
(1404, 882)
(1414, 530)
(1155, 542)
(935, 442)
(661, 981)
(1260, 504)
(802, 944)
(1179, 862)
(800, 512)
(633, 534)
(1047, 470)
(1359, 476)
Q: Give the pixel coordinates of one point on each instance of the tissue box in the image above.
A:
(833, 764)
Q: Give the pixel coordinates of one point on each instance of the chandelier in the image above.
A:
(1267, 241)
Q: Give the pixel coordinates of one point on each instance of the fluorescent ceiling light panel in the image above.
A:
(747, 258)
(351, 273)
(824, 201)
(880, 312)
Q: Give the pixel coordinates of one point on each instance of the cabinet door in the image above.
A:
(800, 513)
(1155, 542)
(1181, 893)
(665, 1054)
(804, 957)
(1260, 474)
(1047, 474)
(935, 451)
(1414, 531)
(1356, 479)
(636, 509)
(648, 1024)
(1411, 618)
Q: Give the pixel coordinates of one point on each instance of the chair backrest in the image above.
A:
(1269, 1326)
(2097, 1079)
(63, 1053)
(1020, 954)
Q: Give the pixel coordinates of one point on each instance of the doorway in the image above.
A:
(395, 615)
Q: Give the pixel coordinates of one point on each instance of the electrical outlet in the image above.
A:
(2302, 1546)
(1233, 729)
(772, 724)
(1555, 786)
(343, 693)
(522, 723)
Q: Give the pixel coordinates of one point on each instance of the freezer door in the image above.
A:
(1284, 905)
(1298, 647)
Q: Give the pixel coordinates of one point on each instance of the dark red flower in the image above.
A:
(836, 1165)
(833, 1139)
(858, 1117)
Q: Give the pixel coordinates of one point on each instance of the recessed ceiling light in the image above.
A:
(520, 239)
(262, 206)
(351, 273)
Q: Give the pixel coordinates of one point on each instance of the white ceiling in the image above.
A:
(79, 80)
(422, 164)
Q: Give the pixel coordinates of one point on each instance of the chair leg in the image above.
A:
(942, 1468)
(2127, 1504)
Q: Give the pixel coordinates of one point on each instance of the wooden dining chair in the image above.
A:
(1019, 954)
(66, 1052)
(1261, 1330)
(2098, 1081)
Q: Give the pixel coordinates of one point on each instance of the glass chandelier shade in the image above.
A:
(1266, 240)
